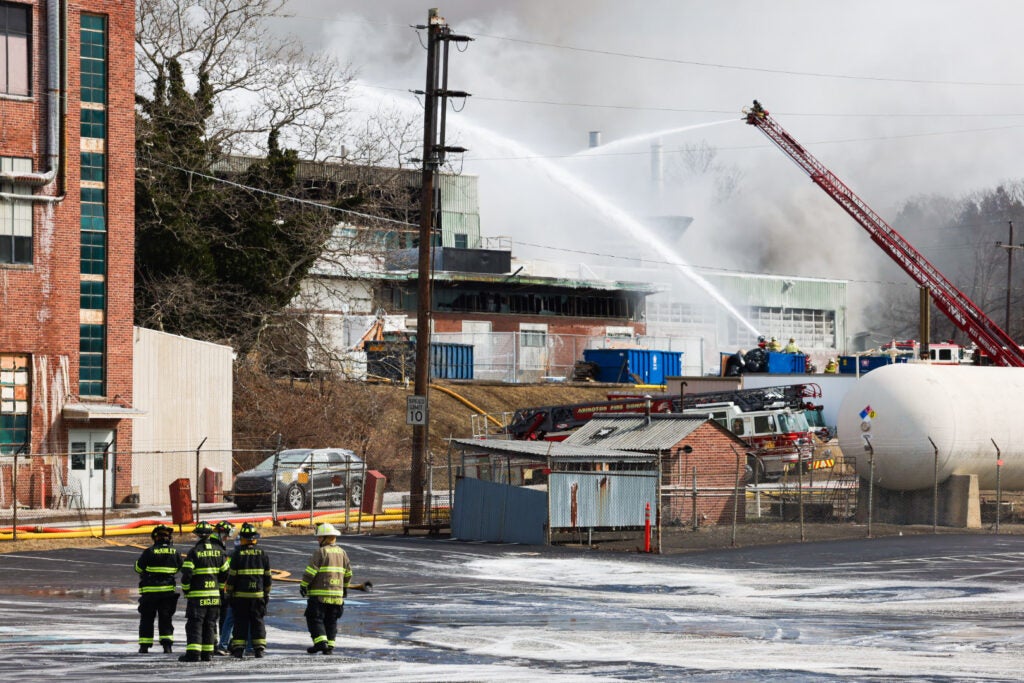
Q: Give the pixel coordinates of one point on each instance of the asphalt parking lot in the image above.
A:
(934, 608)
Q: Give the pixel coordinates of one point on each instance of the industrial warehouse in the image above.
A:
(450, 379)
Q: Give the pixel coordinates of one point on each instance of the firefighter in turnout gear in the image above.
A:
(222, 532)
(325, 585)
(248, 590)
(156, 568)
(204, 570)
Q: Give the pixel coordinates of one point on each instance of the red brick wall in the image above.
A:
(560, 355)
(41, 301)
(717, 470)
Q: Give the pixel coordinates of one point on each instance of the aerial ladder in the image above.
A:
(963, 312)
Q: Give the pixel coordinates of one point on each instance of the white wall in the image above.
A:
(185, 388)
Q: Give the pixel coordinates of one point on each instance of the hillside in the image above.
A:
(370, 418)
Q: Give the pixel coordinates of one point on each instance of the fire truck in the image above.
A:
(991, 341)
(771, 420)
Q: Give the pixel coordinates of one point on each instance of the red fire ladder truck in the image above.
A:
(963, 312)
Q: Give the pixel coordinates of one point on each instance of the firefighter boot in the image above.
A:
(143, 649)
(190, 656)
(258, 653)
(319, 647)
(238, 652)
(206, 657)
(167, 647)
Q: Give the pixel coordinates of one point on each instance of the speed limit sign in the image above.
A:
(416, 410)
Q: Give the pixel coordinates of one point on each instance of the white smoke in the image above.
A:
(923, 101)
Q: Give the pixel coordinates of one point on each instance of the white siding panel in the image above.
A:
(185, 388)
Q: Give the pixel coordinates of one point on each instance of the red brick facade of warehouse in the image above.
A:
(712, 450)
(67, 249)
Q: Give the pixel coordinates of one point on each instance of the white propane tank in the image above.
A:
(963, 409)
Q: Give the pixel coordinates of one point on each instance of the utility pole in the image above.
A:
(439, 37)
(1009, 247)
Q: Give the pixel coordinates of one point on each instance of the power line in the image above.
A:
(759, 146)
(753, 69)
(283, 197)
(689, 110)
(709, 64)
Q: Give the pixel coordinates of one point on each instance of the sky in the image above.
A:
(899, 100)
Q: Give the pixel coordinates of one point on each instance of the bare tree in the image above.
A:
(700, 162)
(258, 82)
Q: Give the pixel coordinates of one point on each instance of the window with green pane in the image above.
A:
(93, 294)
(94, 208)
(94, 166)
(90, 360)
(93, 59)
(94, 123)
(94, 253)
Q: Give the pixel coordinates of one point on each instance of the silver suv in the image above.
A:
(305, 476)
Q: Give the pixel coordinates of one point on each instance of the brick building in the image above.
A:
(66, 248)
(695, 454)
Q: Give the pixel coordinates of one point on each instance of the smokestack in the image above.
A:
(595, 138)
(657, 167)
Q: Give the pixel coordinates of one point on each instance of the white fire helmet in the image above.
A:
(327, 530)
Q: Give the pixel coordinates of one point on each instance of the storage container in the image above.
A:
(396, 361)
(634, 366)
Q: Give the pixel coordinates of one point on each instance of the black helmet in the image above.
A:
(161, 532)
(248, 532)
(224, 528)
(203, 530)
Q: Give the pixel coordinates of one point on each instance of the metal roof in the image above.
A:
(632, 432)
(559, 450)
(518, 281)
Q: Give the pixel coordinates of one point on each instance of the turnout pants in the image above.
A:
(160, 606)
(322, 621)
(248, 614)
(201, 625)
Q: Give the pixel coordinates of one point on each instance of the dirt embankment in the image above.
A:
(370, 418)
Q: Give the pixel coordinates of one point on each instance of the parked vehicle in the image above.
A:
(305, 476)
(780, 437)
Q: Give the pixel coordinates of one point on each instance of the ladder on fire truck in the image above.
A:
(785, 396)
(963, 312)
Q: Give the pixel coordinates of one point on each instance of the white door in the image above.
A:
(478, 333)
(533, 351)
(86, 464)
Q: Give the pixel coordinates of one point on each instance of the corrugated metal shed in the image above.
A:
(601, 499)
(631, 432)
(559, 450)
